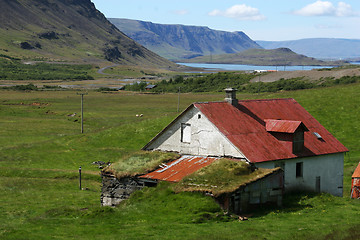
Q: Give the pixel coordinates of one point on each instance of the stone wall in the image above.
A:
(115, 190)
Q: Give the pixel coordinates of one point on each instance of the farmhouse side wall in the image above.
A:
(318, 174)
(205, 139)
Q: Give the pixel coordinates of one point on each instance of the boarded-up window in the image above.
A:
(185, 133)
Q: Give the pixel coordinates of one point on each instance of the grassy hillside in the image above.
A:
(272, 57)
(41, 149)
(67, 30)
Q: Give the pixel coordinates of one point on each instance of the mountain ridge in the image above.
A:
(265, 57)
(176, 41)
(321, 48)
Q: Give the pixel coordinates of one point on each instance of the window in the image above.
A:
(199, 116)
(299, 169)
(317, 184)
(185, 133)
(298, 144)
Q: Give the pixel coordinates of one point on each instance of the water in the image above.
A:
(237, 67)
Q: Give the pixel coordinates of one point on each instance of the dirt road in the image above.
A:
(310, 75)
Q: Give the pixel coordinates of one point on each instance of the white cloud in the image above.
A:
(181, 12)
(241, 12)
(326, 8)
(344, 10)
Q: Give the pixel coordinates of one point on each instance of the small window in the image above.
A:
(199, 116)
(317, 135)
(185, 133)
(299, 169)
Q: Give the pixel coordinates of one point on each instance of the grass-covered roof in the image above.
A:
(140, 162)
(222, 176)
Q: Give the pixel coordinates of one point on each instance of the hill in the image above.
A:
(66, 30)
(272, 57)
(323, 48)
(176, 42)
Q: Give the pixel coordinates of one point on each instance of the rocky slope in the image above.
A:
(67, 30)
(182, 42)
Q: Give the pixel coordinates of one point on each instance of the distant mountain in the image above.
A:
(66, 30)
(177, 42)
(265, 57)
(321, 48)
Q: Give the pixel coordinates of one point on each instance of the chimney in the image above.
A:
(231, 96)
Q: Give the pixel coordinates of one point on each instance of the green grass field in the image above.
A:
(41, 149)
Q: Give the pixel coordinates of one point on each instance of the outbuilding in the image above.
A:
(235, 185)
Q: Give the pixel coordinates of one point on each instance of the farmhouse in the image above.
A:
(264, 133)
(355, 185)
(234, 184)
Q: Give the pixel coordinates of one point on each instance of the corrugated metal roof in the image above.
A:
(283, 126)
(356, 173)
(245, 127)
(178, 169)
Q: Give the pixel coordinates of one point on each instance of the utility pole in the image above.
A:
(178, 107)
(82, 111)
(80, 177)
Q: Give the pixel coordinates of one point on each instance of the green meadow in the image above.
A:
(42, 148)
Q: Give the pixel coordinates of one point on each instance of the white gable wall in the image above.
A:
(205, 138)
(319, 173)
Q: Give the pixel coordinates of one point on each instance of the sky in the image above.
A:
(271, 20)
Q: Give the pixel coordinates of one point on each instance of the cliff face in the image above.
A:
(67, 30)
(181, 42)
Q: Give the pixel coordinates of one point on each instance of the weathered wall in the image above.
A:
(206, 139)
(115, 190)
(328, 167)
(265, 190)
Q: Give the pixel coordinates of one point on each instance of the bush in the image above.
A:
(29, 87)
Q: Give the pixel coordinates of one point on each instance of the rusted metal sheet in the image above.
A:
(178, 169)
(245, 127)
(355, 186)
(283, 126)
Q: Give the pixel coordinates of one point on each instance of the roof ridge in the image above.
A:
(262, 100)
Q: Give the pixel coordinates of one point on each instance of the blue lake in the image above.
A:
(237, 67)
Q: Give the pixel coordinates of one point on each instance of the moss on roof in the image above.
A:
(222, 176)
(139, 163)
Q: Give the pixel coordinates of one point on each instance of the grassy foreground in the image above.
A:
(41, 149)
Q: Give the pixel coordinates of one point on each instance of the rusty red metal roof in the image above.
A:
(245, 127)
(283, 126)
(356, 173)
(178, 169)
